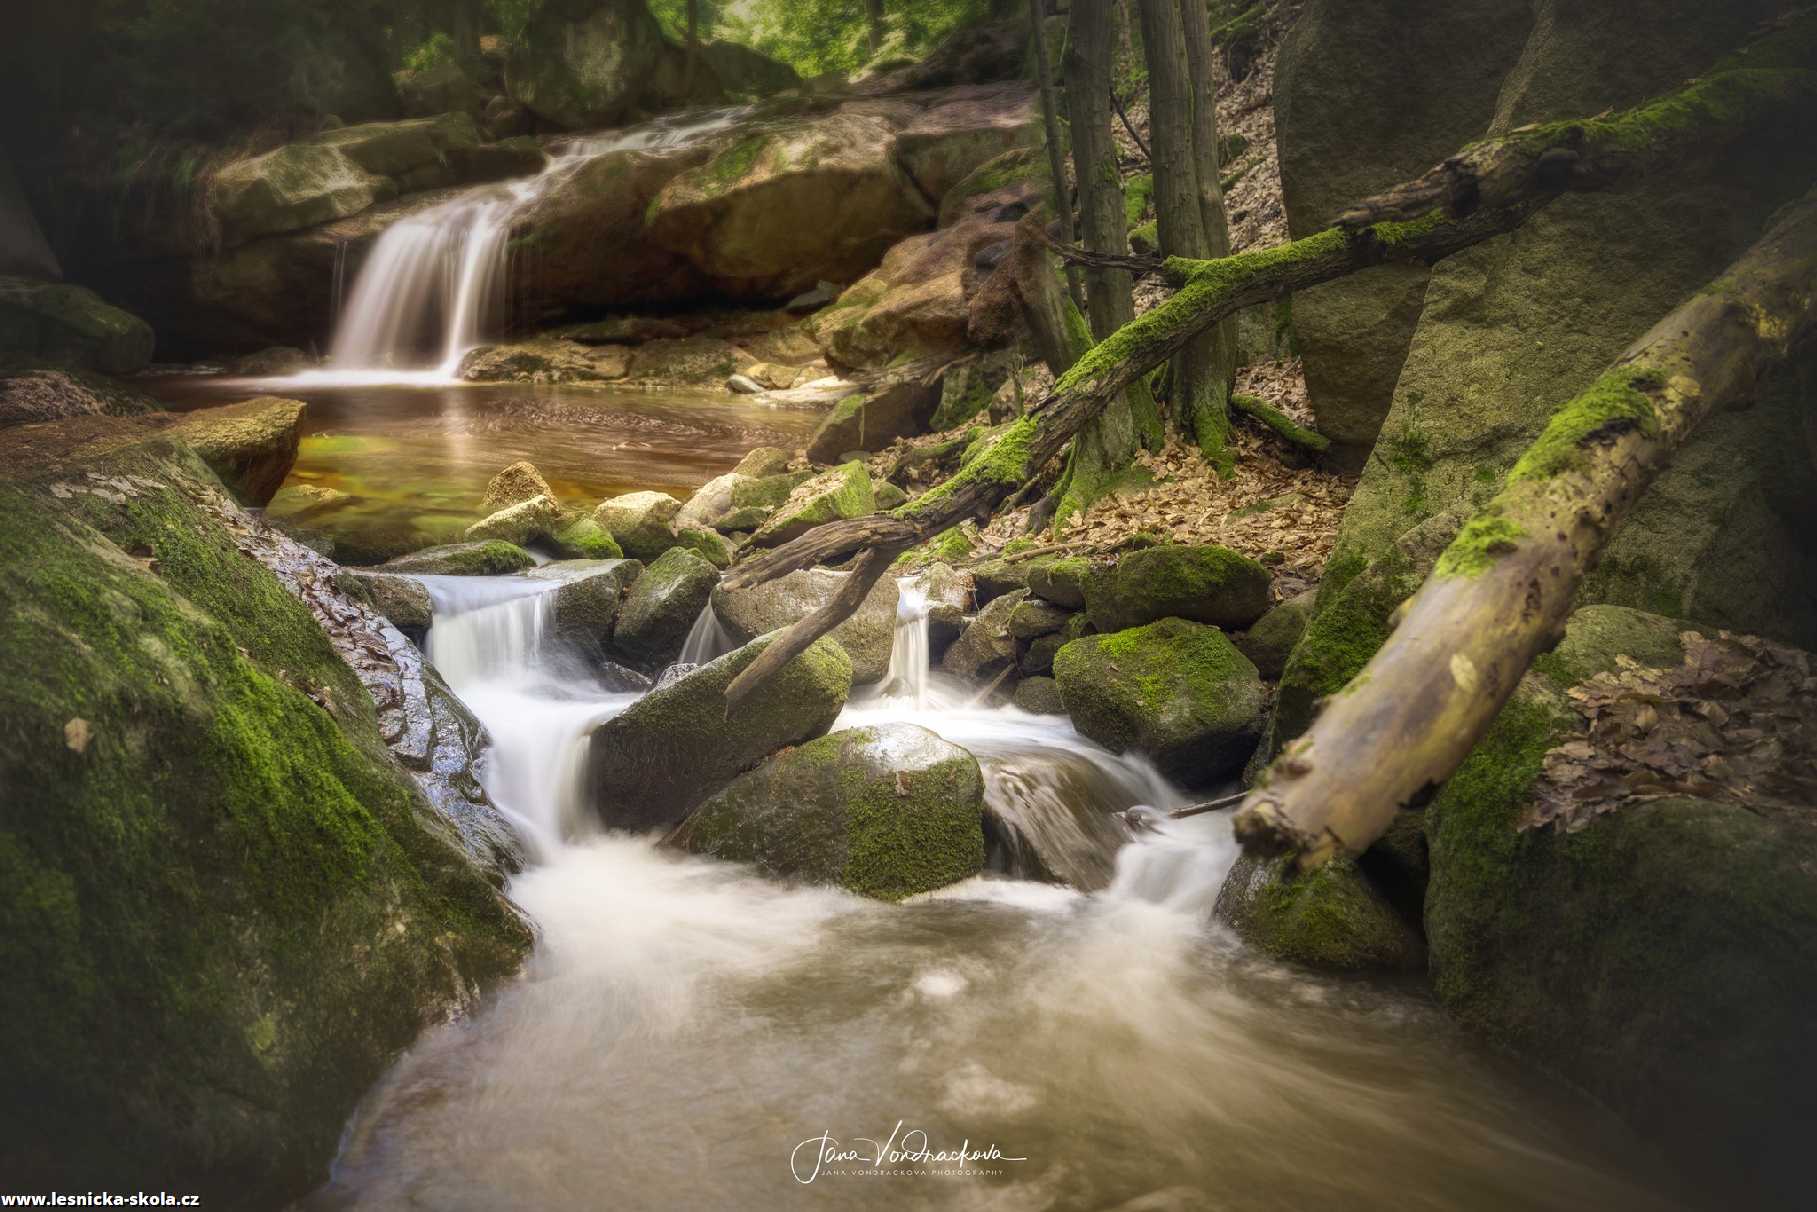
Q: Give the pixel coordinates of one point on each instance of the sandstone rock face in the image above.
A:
(885, 811)
(651, 765)
(53, 322)
(251, 445)
(1368, 95)
(866, 636)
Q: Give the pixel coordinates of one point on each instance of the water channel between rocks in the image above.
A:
(686, 1026)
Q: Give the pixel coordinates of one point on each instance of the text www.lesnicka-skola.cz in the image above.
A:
(101, 1199)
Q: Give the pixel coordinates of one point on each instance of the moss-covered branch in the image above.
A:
(1282, 425)
(1770, 84)
(1501, 592)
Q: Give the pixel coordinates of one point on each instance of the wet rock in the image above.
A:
(986, 646)
(251, 445)
(295, 186)
(488, 559)
(1333, 919)
(1208, 584)
(1038, 657)
(652, 764)
(274, 362)
(873, 418)
(844, 492)
(514, 485)
(1039, 696)
(587, 604)
(866, 636)
(1271, 640)
(544, 360)
(57, 322)
(1033, 617)
(886, 811)
(533, 519)
(661, 607)
(642, 522)
(994, 578)
(401, 599)
(1177, 691)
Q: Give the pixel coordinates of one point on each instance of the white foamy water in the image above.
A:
(687, 1029)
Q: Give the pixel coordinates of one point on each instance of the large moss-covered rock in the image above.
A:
(1060, 579)
(294, 186)
(1271, 640)
(492, 558)
(516, 484)
(1207, 584)
(204, 843)
(1660, 955)
(844, 492)
(1369, 95)
(251, 445)
(866, 636)
(400, 598)
(642, 522)
(1333, 919)
(651, 765)
(873, 418)
(887, 811)
(584, 539)
(592, 63)
(710, 502)
(1176, 691)
(535, 518)
(57, 322)
(1516, 326)
(661, 606)
(587, 604)
(986, 646)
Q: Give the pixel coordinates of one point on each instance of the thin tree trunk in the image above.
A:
(1201, 384)
(1050, 122)
(1500, 594)
(873, 11)
(1202, 76)
(1110, 440)
(691, 73)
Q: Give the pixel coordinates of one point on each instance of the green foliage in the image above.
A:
(435, 50)
(817, 36)
(513, 16)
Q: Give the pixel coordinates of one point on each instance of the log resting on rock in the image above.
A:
(1500, 594)
(1776, 85)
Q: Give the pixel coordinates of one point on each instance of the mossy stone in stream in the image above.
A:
(1176, 691)
(520, 523)
(587, 604)
(492, 558)
(1208, 584)
(220, 896)
(843, 492)
(1333, 919)
(642, 522)
(401, 599)
(1271, 641)
(1060, 579)
(652, 764)
(585, 539)
(661, 607)
(886, 811)
(709, 546)
(866, 636)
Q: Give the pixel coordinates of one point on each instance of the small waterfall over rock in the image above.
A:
(707, 640)
(909, 656)
(434, 280)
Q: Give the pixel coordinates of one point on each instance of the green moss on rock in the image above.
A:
(585, 539)
(1207, 584)
(844, 492)
(492, 558)
(1332, 919)
(661, 606)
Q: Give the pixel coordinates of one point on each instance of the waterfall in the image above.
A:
(434, 279)
(908, 673)
(707, 640)
(491, 639)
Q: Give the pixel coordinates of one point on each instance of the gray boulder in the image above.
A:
(866, 636)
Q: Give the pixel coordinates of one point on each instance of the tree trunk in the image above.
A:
(1202, 75)
(873, 11)
(692, 71)
(1050, 122)
(1500, 594)
(1201, 374)
(1109, 441)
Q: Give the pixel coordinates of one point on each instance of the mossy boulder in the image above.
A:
(514, 485)
(866, 636)
(652, 764)
(1033, 618)
(583, 64)
(873, 418)
(587, 604)
(707, 544)
(295, 186)
(844, 492)
(710, 502)
(1208, 584)
(768, 491)
(761, 461)
(64, 324)
(401, 599)
(251, 445)
(1175, 690)
(1060, 579)
(492, 558)
(584, 539)
(1039, 696)
(886, 811)
(642, 522)
(1333, 919)
(661, 606)
(1660, 955)
(1271, 640)
(220, 893)
(536, 518)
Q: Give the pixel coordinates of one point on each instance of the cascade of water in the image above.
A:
(908, 674)
(424, 295)
(707, 640)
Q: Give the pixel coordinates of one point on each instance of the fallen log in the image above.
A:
(1500, 594)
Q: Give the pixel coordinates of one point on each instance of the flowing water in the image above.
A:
(689, 1035)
